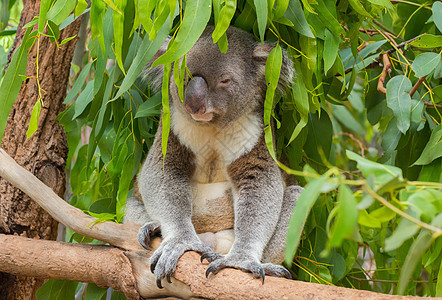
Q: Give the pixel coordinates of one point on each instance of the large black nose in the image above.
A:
(196, 95)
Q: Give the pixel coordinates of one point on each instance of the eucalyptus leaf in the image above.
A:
(295, 14)
(196, 17)
(399, 101)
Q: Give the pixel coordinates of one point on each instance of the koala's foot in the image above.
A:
(147, 232)
(258, 269)
(164, 260)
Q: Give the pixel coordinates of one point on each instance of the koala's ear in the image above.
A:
(260, 54)
(155, 75)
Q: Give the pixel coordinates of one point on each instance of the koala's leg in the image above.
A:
(258, 189)
(165, 191)
(275, 250)
(136, 213)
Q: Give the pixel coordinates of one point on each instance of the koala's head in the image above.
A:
(224, 86)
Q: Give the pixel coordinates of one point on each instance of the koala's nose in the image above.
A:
(196, 95)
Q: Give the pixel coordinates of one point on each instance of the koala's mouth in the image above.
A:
(206, 117)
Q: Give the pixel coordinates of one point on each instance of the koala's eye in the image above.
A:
(225, 82)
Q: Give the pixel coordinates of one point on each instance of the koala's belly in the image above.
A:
(212, 206)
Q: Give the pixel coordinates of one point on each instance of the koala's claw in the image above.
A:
(253, 267)
(164, 260)
(210, 256)
(276, 270)
(147, 232)
(257, 269)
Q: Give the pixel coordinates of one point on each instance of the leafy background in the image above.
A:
(360, 128)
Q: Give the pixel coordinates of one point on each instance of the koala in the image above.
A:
(217, 177)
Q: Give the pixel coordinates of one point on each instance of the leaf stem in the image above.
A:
(421, 224)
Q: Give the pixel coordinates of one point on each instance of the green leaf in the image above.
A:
(224, 19)
(261, 16)
(331, 46)
(144, 10)
(399, 101)
(367, 220)
(247, 18)
(145, 53)
(300, 98)
(53, 31)
(320, 134)
(296, 15)
(433, 149)
(11, 83)
(427, 41)
(44, 6)
(382, 173)
(97, 16)
(152, 107)
(61, 10)
(328, 19)
(384, 3)
(165, 117)
(57, 289)
(359, 8)
(123, 187)
(195, 19)
(272, 72)
(383, 214)
(78, 84)
(33, 122)
(425, 63)
(405, 230)
(437, 14)
(419, 246)
(301, 211)
(280, 8)
(346, 219)
(118, 22)
(80, 8)
(86, 97)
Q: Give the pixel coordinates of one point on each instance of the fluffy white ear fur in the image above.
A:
(260, 54)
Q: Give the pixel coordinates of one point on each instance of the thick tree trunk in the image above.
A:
(44, 154)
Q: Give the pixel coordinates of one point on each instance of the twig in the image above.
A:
(403, 44)
(417, 85)
(356, 140)
(386, 70)
(433, 105)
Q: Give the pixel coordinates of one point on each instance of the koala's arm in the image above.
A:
(165, 188)
(259, 189)
(166, 195)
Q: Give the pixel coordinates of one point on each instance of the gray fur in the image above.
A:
(232, 87)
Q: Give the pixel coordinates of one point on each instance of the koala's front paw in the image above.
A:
(164, 260)
(147, 232)
(258, 269)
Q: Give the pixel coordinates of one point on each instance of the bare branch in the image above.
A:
(417, 85)
(120, 235)
(386, 70)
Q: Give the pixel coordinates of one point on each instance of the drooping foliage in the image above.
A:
(360, 128)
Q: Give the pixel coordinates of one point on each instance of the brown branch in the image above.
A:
(103, 265)
(386, 70)
(432, 105)
(417, 85)
(129, 271)
(361, 145)
(72, 217)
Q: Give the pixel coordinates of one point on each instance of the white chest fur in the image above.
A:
(214, 149)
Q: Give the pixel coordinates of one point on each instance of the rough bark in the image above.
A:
(108, 266)
(44, 154)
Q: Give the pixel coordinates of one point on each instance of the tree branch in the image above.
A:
(129, 271)
(120, 235)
